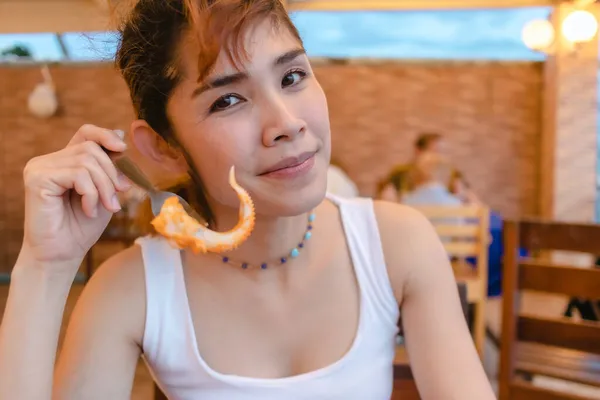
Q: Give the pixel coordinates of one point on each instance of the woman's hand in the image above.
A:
(70, 196)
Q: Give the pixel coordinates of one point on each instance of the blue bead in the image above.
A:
(301, 245)
(244, 266)
(225, 259)
(309, 227)
(311, 217)
(307, 235)
(295, 253)
(283, 260)
(263, 266)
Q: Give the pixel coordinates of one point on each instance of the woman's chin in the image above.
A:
(288, 203)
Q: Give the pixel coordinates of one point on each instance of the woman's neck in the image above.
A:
(271, 239)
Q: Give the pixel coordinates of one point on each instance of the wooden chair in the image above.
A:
(464, 238)
(560, 347)
(404, 383)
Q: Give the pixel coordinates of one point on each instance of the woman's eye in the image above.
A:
(224, 102)
(292, 78)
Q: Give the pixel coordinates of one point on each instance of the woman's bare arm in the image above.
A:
(30, 329)
(442, 353)
(101, 346)
(70, 196)
(103, 340)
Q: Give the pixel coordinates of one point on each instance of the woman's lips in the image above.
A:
(292, 167)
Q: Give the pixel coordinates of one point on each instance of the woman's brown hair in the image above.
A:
(147, 59)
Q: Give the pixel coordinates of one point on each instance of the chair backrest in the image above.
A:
(464, 231)
(542, 275)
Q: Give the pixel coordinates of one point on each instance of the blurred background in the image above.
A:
(510, 87)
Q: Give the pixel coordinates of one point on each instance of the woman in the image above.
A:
(214, 86)
(431, 175)
(459, 187)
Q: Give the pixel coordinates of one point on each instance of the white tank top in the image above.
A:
(365, 372)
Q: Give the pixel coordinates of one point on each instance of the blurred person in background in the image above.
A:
(401, 179)
(460, 188)
(431, 177)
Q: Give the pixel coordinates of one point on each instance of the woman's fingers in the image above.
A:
(102, 180)
(104, 161)
(84, 166)
(80, 180)
(104, 137)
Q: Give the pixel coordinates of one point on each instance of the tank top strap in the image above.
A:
(364, 242)
(166, 298)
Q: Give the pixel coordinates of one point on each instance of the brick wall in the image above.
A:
(90, 94)
(490, 113)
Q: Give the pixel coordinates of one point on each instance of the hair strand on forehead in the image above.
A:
(220, 25)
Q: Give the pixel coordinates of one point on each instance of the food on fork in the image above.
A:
(183, 231)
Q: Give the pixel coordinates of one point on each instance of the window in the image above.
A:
(460, 34)
(92, 46)
(43, 46)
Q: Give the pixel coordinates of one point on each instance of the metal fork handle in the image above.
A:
(128, 168)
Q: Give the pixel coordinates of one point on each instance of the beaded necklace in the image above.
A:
(294, 253)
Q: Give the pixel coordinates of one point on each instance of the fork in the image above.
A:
(157, 197)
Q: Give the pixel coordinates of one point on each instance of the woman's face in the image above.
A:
(458, 188)
(268, 118)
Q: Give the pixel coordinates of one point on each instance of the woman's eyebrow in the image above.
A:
(226, 80)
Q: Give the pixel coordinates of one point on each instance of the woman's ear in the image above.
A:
(152, 145)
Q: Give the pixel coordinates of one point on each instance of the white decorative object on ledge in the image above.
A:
(42, 101)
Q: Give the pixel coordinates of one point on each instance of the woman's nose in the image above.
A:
(281, 123)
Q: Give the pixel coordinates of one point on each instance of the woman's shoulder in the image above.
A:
(392, 218)
(402, 227)
(395, 215)
(124, 266)
(406, 235)
(116, 293)
(127, 269)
